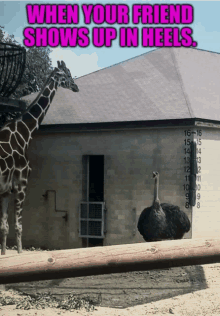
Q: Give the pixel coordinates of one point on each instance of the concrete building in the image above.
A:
(102, 144)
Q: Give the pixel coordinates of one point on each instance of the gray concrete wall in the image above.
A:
(130, 157)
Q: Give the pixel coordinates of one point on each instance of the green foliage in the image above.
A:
(6, 39)
(37, 69)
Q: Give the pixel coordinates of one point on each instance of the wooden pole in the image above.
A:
(104, 260)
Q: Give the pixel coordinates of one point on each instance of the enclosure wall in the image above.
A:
(130, 156)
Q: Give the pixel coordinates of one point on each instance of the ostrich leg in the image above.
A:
(4, 227)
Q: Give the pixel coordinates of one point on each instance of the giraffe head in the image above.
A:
(65, 78)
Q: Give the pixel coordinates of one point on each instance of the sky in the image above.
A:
(84, 60)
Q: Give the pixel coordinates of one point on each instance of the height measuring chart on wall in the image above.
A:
(192, 167)
(198, 141)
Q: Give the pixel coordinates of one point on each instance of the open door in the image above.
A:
(93, 191)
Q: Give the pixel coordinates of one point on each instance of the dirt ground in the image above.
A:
(190, 291)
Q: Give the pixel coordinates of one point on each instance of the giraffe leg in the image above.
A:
(18, 207)
(4, 227)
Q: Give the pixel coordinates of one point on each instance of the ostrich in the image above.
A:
(162, 221)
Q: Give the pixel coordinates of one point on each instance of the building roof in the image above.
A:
(164, 84)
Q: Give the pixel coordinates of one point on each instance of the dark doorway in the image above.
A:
(96, 178)
(92, 242)
(93, 188)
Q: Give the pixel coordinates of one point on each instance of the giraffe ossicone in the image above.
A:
(15, 137)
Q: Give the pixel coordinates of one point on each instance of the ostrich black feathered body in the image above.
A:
(165, 222)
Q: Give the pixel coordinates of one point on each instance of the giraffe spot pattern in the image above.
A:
(51, 96)
(9, 161)
(20, 140)
(27, 116)
(6, 173)
(36, 111)
(31, 125)
(5, 135)
(21, 196)
(15, 145)
(34, 128)
(46, 93)
(23, 130)
(41, 118)
(17, 174)
(23, 182)
(21, 162)
(2, 164)
(51, 85)
(11, 176)
(24, 173)
(43, 102)
(5, 149)
(25, 155)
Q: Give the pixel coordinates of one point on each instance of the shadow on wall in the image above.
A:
(123, 290)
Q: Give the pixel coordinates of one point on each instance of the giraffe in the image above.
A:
(15, 137)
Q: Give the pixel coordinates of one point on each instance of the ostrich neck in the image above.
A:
(156, 188)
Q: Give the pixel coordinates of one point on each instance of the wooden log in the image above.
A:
(110, 259)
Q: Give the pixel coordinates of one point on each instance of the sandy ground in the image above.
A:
(191, 291)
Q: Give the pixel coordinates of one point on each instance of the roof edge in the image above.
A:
(138, 56)
(86, 127)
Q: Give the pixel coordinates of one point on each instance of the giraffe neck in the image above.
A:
(31, 119)
(36, 111)
(22, 128)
